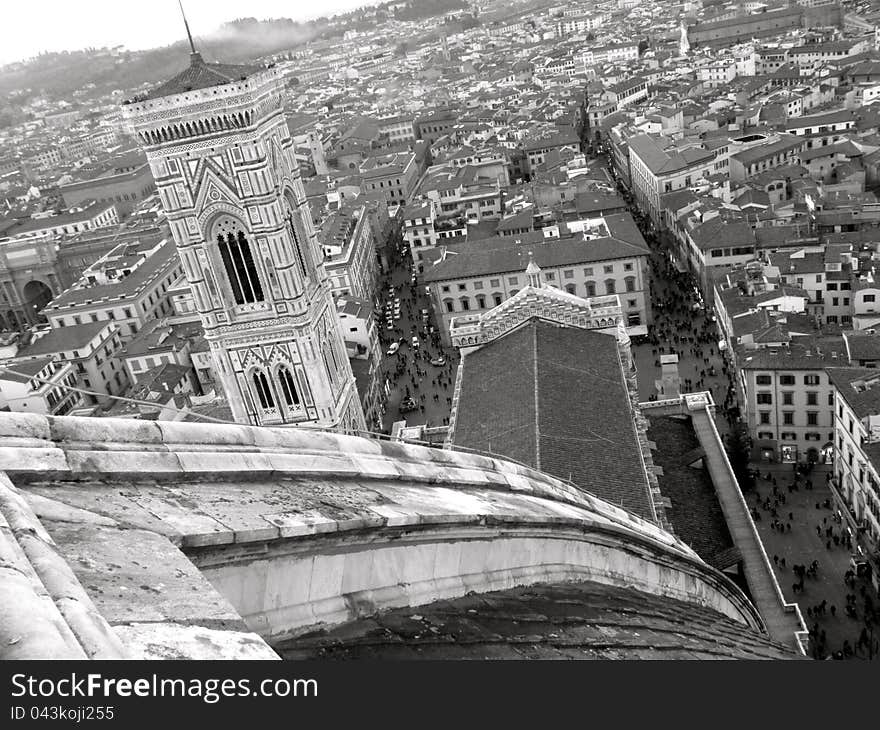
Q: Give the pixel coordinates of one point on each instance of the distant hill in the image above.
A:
(245, 39)
(58, 73)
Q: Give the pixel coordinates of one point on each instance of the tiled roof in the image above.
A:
(65, 339)
(864, 401)
(863, 346)
(129, 286)
(695, 513)
(555, 398)
(662, 160)
(502, 254)
(551, 621)
(202, 75)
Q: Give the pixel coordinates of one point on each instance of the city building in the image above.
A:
(393, 176)
(607, 256)
(789, 399)
(223, 160)
(856, 486)
(124, 180)
(346, 238)
(39, 385)
(128, 286)
(657, 167)
(92, 349)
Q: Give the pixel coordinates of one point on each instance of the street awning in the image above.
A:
(637, 330)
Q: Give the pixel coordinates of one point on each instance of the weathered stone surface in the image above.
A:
(138, 576)
(173, 641)
(291, 529)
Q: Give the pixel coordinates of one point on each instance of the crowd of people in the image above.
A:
(683, 327)
(859, 616)
(413, 378)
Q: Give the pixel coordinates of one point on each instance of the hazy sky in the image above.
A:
(31, 26)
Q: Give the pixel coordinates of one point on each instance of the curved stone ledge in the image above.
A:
(298, 586)
(86, 446)
(294, 529)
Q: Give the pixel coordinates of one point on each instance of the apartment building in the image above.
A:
(856, 485)
(424, 228)
(125, 181)
(393, 176)
(789, 398)
(129, 286)
(160, 341)
(91, 217)
(657, 167)
(607, 256)
(770, 153)
(91, 348)
(39, 385)
(346, 239)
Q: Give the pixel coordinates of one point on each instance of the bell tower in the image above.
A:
(222, 158)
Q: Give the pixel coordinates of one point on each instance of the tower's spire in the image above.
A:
(192, 45)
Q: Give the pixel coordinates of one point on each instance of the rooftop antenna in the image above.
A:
(192, 45)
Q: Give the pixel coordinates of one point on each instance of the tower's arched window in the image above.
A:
(238, 261)
(331, 371)
(288, 388)
(263, 390)
(300, 243)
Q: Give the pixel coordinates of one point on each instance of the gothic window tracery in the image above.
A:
(288, 389)
(238, 261)
(263, 390)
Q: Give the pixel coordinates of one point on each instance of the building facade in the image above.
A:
(223, 158)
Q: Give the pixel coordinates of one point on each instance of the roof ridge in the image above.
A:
(537, 404)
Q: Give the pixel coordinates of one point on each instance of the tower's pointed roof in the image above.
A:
(202, 75)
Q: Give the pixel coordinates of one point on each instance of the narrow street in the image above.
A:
(410, 370)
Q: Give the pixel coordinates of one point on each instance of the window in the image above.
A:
(288, 388)
(238, 260)
(262, 390)
(549, 275)
(812, 398)
(445, 288)
(763, 379)
(831, 402)
(465, 304)
(812, 380)
(494, 283)
(588, 272)
(497, 299)
(788, 418)
(630, 283)
(765, 398)
(786, 379)
(481, 301)
(449, 306)
(831, 286)
(591, 288)
(812, 418)
(627, 267)
(609, 269)
(512, 281)
(478, 285)
(765, 435)
(609, 286)
(788, 398)
(765, 416)
(569, 274)
(868, 297)
(462, 287)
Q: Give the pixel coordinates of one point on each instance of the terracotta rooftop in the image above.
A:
(202, 75)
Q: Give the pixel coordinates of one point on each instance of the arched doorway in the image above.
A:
(37, 295)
